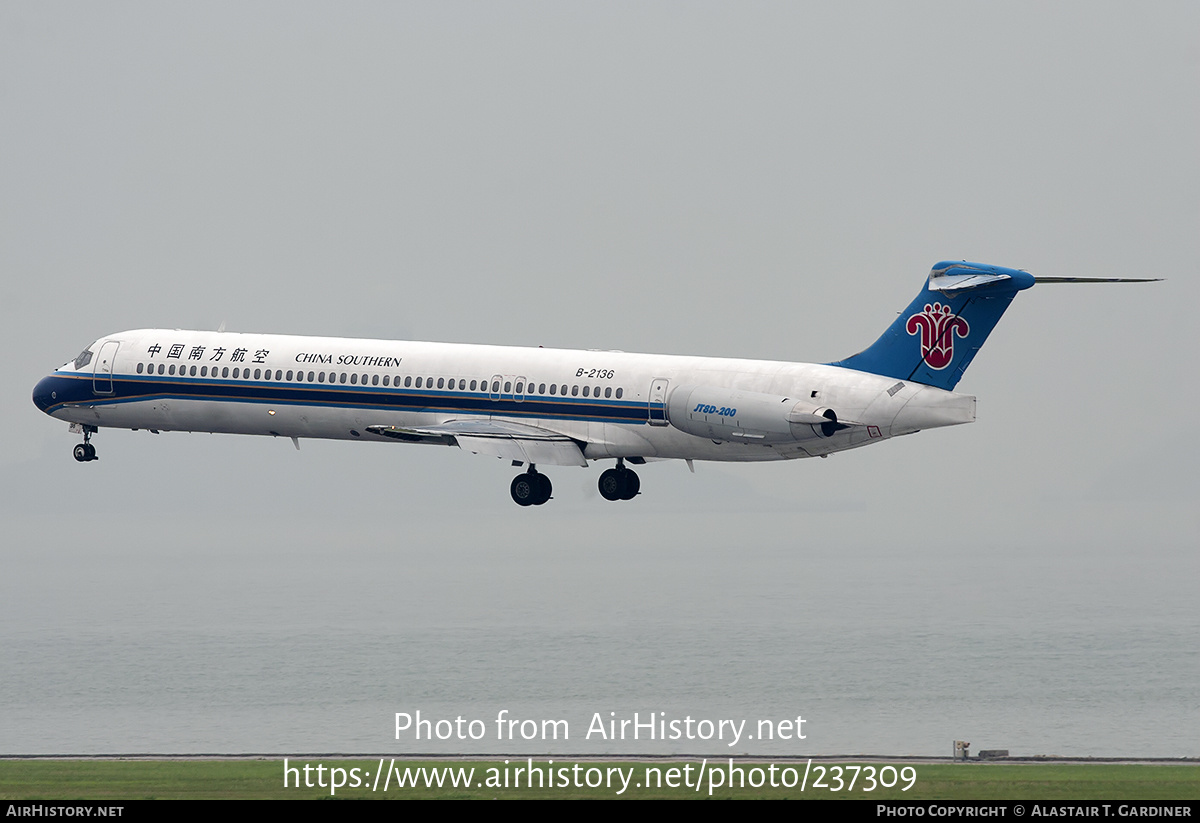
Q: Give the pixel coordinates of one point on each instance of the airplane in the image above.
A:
(542, 406)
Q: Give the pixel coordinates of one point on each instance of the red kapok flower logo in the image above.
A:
(937, 326)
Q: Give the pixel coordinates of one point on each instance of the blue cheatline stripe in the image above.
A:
(128, 389)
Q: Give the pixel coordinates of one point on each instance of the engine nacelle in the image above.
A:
(747, 417)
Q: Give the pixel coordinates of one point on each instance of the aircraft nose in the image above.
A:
(44, 394)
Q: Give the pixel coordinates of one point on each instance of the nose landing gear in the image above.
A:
(531, 488)
(85, 451)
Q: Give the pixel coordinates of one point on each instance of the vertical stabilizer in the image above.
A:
(936, 337)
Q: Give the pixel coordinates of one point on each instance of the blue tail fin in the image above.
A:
(936, 337)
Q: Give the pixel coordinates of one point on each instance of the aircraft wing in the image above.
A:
(498, 438)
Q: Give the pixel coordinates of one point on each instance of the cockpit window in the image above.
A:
(83, 359)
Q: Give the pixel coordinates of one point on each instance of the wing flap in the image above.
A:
(498, 438)
(545, 452)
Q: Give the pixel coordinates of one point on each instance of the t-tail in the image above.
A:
(937, 336)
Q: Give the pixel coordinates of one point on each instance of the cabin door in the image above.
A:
(102, 375)
(658, 401)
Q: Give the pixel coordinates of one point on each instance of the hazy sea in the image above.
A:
(314, 645)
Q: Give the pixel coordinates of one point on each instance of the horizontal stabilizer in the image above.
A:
(956, 278)
(1097, 279)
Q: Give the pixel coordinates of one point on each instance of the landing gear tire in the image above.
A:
(81, 453)
(619, 484)
(523, 489)
(632, 485)
(545, 489)
(530, 489)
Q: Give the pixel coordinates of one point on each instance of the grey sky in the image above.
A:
(767, 180)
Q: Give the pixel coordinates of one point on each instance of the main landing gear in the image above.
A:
(85, 451)
(619, 483)
(531, 488)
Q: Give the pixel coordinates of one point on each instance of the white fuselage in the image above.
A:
(612, 404)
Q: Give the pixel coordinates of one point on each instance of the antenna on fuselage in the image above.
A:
(221, 327)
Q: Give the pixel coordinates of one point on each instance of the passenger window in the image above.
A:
(257, 372)
(419, 381)
(225, 371)
(204, 371)
(140, 367)
(585, 390)
(554, 388)
(596, 392)
(236, 371)
(310, 377)
(172, 369)
(387, 380)
(574, 391)
(608, 391)
(507, 386)
(364, 380)
(520, 388)
(320, 377)
(193, 371)
(441, 382)
(620, 391)
(462, 385)
(473, 385)
(354, 379)
(541, 388)
(375, 380)
(495, 386)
